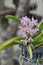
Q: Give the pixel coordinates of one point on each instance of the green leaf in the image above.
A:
(41, 40)
(38, 44)
(37, 39)
(3, 46)
(29, 51)
(35, 35)
(13, 18)
(11, 42)
(41, 26)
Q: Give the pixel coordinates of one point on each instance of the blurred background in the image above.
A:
(8, 28)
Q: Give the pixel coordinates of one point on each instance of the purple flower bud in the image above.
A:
(24, 42)
(27, 41)
(30, 40)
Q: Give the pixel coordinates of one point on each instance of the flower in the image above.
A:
(34, 31)
(27, 41)
(30, 40)
(34, 22)
(25, 21)
(24, 42)
(27, 26)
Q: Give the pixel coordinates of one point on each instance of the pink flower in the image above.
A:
(30, 40)
(27, 41)
(34, 22)
(34, 31)
(24, 42)
(27, 26)
(25, 21)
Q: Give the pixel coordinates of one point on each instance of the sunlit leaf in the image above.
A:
(13, 18)
(29, 51)
(41, 26)
(37, 40)
(35, 35)
(10, 42)
(38, 44)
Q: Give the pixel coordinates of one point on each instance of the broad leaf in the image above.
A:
(10, 42)
(29, 51)
(38, 44)
(41, 26)
(2, 46)
(37, 40)
(13, 18)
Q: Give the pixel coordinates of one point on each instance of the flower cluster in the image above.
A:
(28, 26)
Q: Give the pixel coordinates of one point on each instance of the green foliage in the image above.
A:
(37, 40)
(41, 26)
(13, 18)
(11, 42)
(29, 51)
